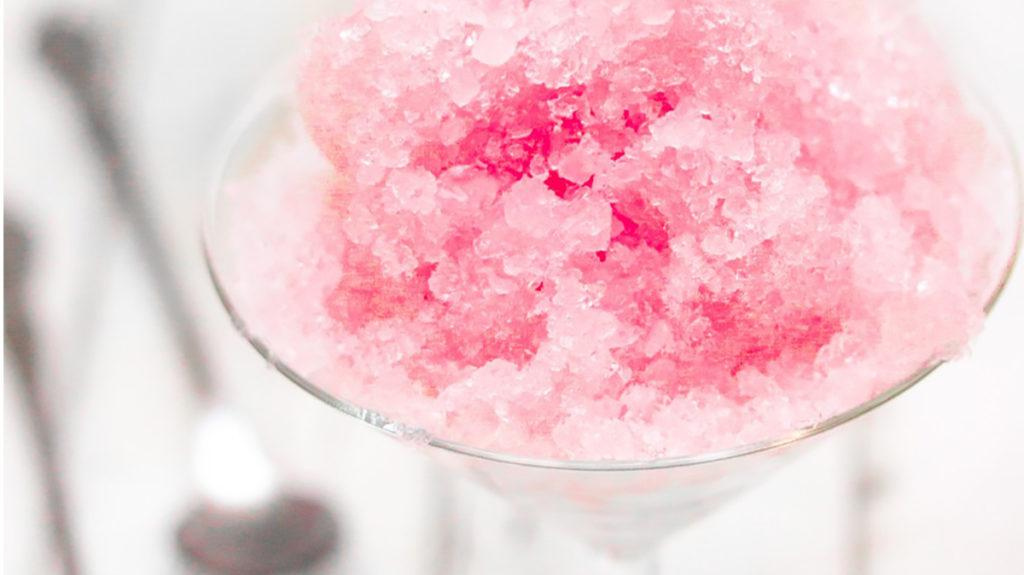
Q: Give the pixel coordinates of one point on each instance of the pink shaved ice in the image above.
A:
(621, 229)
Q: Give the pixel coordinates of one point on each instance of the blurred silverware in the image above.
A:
(268, 531)
(19, 339)
(73, 54)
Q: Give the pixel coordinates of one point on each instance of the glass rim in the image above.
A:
(399, 431)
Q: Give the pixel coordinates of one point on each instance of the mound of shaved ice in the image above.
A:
(621, 229)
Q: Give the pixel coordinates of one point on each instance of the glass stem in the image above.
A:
(453, 544)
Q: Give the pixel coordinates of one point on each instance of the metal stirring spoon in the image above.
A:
(19, 339)
(282, 534)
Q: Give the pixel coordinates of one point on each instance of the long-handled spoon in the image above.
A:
(269, 532)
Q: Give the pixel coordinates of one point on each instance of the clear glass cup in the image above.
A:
(621, 509)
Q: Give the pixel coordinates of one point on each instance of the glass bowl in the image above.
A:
(621, 507)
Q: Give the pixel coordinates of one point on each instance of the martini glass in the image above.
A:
(620, 508)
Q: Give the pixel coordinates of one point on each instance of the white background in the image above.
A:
(929, 484)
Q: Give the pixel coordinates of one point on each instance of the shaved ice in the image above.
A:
(621, 229)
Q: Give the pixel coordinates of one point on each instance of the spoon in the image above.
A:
(244, 524)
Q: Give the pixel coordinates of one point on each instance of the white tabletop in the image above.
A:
(929, 484)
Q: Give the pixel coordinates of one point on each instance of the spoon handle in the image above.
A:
(74, 54)
(19, 339)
